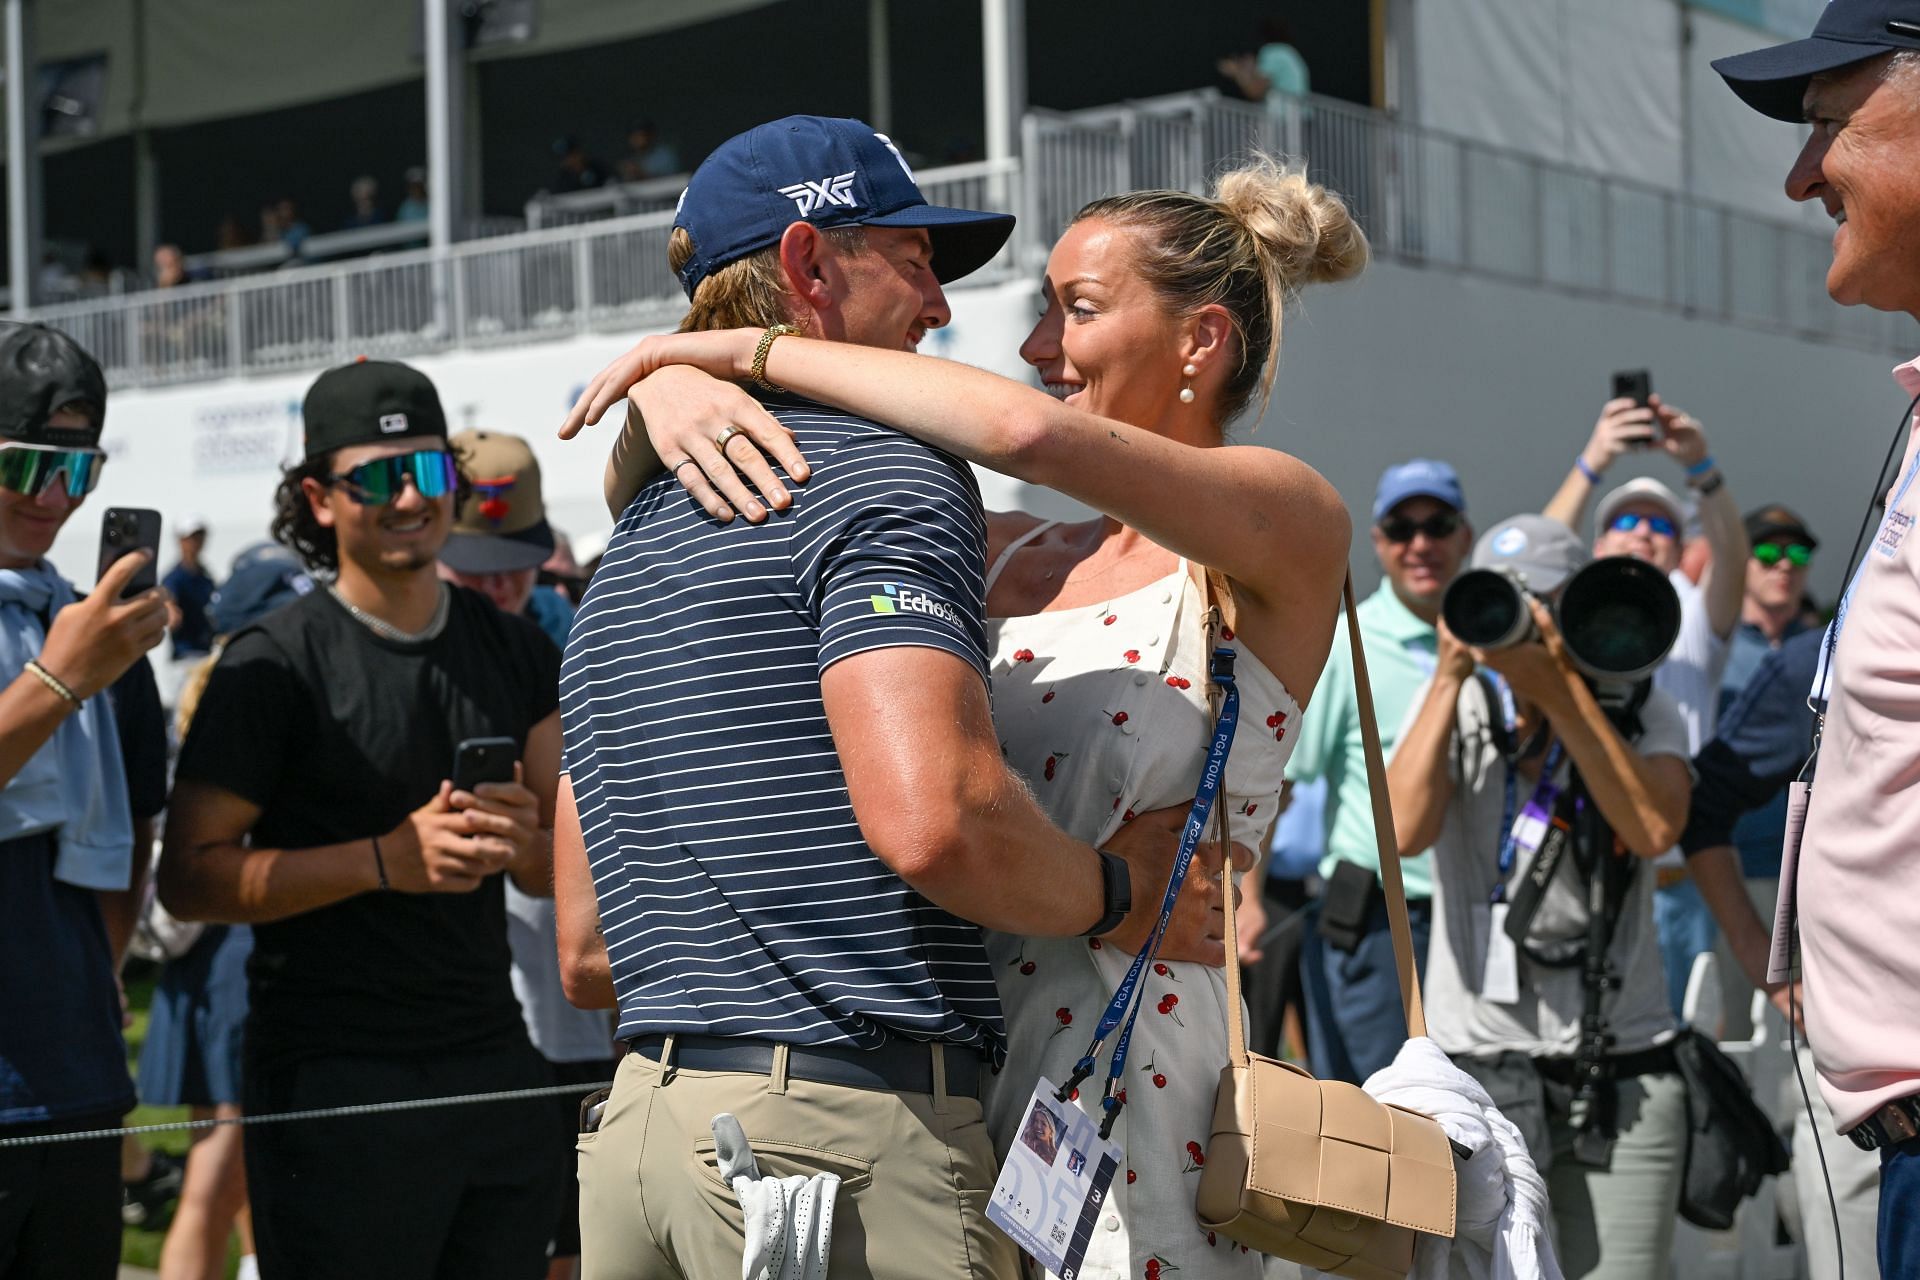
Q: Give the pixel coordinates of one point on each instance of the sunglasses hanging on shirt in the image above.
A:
(378, 482)
(29, 468)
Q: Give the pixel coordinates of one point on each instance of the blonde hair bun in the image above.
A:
(1304, 230)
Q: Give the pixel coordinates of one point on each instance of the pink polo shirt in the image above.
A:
(1859, 879)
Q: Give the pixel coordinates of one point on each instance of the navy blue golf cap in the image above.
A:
(831, 173)
(1774, 81)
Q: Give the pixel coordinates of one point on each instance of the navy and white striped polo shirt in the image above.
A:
(736, 893)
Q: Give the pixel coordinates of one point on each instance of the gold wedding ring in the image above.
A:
(725, 434)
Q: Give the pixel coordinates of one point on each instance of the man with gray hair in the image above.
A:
(1853, 82)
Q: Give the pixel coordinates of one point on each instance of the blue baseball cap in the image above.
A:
(1774, 81)
(1421, 478)
(264, 577)
(831, 173)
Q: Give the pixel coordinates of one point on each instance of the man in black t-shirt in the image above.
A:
(314, 801)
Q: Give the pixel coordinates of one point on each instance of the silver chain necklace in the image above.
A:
(386, 630)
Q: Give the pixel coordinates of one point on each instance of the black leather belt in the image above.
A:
(1891, 1125)
(1620, 1066)
(898, 1066)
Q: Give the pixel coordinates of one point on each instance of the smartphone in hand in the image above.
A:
(1637, 385)
(478, 760)
(123, 531)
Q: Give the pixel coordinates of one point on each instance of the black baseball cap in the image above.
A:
(1774, 81)
(1764, 524)
(41, 370)
(370, 402)
(831, 173)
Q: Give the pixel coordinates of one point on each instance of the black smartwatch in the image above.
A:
(1116, 893)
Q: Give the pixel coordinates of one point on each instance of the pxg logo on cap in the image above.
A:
(828, 173)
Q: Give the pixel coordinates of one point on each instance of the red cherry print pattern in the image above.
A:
(1093, 944)
(1026, 966)
(1226, 633)
(1132, 655)
(1110, 619)
(1023, 655)
(1196, 1158)
(1047, 696)
(1164, 970)
(1251, 805)
(1132, 1177)
(1166, 1006)
(1128, 816)
(1119, 717)
(1155, 1266)
(1278, 723)
(1064, 1016)
(1159, 1080)
(1053, 762)
(1179, 682)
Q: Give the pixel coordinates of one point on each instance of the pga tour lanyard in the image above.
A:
(1125, 1006)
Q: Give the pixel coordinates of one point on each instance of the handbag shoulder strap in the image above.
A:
(1389, 844)
(1396, 891)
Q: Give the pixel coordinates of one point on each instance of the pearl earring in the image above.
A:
(1186, 393)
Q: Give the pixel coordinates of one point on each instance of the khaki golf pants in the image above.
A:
(916, 1172)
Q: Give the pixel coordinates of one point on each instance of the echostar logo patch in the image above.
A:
(808, 196)
(898, 598)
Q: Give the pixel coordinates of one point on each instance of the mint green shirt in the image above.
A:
(1400, 659)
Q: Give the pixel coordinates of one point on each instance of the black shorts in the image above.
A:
(462, 1191)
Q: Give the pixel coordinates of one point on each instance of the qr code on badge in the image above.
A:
(1058, 1235)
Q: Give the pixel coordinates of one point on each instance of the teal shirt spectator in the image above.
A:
(549, 610)
(1400, 659)
(1285, 72)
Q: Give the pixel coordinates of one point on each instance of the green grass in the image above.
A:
(138, 1247)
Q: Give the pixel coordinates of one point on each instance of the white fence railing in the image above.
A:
(1424, 197)
(1429, 197)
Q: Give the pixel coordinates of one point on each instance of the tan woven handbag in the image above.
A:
(1316, 1171)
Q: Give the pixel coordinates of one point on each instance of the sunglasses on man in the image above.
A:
(376, 483)
(29, 468)
(1628, 521)
(1441, 524)
(1797, 554)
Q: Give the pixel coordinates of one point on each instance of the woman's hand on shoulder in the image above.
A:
(722, 353)
(688, 415)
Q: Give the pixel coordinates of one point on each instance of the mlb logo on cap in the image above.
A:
(826, 172)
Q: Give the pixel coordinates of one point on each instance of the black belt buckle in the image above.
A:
(1892, 1124)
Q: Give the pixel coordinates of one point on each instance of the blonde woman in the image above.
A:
(1161, 325)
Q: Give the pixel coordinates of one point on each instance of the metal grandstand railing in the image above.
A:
(1432, 198)
(1425, 197)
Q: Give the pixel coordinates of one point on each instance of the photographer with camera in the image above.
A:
(81, 777)
(314, 800)
(1538, 796)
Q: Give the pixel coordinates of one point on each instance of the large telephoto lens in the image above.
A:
(1486, 609)
(1619, 616)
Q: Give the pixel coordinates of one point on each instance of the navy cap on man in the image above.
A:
(1774, 81)
(830, 173)
(1420, 478)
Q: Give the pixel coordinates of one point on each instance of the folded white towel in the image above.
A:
(1502, 1227)
(789, 1220)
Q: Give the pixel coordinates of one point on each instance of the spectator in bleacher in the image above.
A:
(231, 233)
(191, 588)
(169, 267)
(414, 207)
(293, 232)
(1274, 71)
(365, 195)
(648, 155)
(313, 801)
(81, 778)
(578, 171)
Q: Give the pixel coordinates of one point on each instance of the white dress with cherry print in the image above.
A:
(1103, 710)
